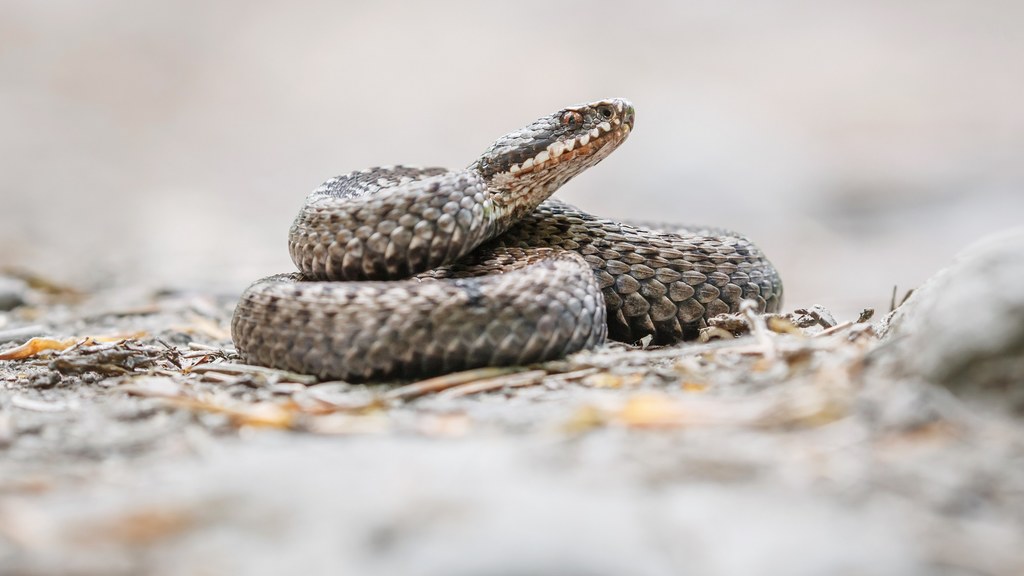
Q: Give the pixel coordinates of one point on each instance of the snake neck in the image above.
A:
(526, 166)
(512, 199)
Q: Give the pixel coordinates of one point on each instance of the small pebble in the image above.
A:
(13, 292)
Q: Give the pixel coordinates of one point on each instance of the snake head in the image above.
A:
(556, 147)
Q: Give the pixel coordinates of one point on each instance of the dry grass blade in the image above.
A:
(261, 414)
(613, 380)
(38, 345)
(759, 328)
(892, 301)
(447, 381)
(834, 329)
(204, 348)
(573, 375)
(517, 380)
(249, 369)
(606, 359)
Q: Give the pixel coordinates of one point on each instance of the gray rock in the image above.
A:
(964, 327)
(12, 292)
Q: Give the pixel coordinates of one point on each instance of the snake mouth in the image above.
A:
(605, 134)
(559, 145)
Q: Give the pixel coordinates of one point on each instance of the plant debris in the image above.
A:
(761, 399)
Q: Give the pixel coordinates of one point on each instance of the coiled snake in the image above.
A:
(420, 271)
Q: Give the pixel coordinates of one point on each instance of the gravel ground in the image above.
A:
(138, 444)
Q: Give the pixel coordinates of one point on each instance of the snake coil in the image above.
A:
(407, 272)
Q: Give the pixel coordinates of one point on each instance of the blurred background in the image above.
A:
(861, 144)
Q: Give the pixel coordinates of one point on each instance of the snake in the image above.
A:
(408, 272)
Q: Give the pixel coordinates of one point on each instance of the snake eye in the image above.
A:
(605, 111)
(571, 118)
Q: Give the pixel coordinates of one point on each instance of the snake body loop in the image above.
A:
(408, 272)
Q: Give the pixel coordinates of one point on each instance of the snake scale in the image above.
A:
(409, 272)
